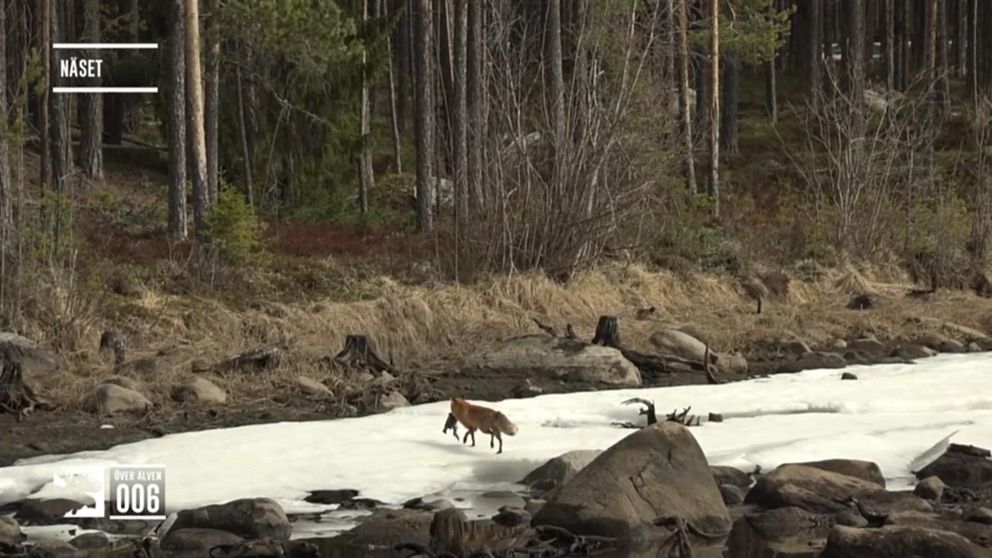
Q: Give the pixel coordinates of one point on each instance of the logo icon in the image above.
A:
(137, 492)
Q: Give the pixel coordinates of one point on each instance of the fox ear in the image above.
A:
(453, 399)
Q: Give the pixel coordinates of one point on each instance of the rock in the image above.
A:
(973, 347)
(734, 363)
(869, 347)
(878, 507)
(10, 530)
(782, 523)
(715, 417)
(814, 361)
(897, 541)
(437, 504)
(125, 382)
(960, 467)
(451, 532)
(623, 490)
(559, 470)
(90, 541)
(732, 495)
(564, 359)
(863, 302)
(810, 488)
(197, 540)
(255, 360)
(360, 504)
(34, 359)
(330, 497)
(952, 346)
(393, 400)
(864, 470)
(512, 517)
(838, 345)
(850, 518)
(251, 518)
(108, 399)
(311, 387)
(848, 376)
(533, 506)
(198, 390)
(678, 343)
(199, 366)
(54, 548)
(913, 351)
(46, 511)
(731, 475)
(392, 527)
(940, 343)
(526, 389)
(930, 488)
(974, 532)
(979, 515)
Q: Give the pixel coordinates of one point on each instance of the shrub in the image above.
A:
(234, 230)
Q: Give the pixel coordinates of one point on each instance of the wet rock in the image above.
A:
(622, 491)
(330, 497)
(250, 518)
(90, 541)
(47, 511)
(512, 517)
(865, 301)
(311, 387)
(896, 541)
(10, 530)
(559, 358)
(960, 466)
(848, 376)
(979, 515)
(814, 361)
(198, 390)
(732, 495)
(34, 359)
(429, 505)
(869, 347)
(850, 518)
(731, 475)
(974, 532)
(913, 351)
(785, 522)
(559, 470)
(930, 488)
(393, 400)
(392, 527)
(810, 488)
(534, 505)
(108, 399)
(255, 360)
(864, 470)
(197, 540)
(678, 343)
(878, 507)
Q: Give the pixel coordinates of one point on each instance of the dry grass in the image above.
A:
(421, 327)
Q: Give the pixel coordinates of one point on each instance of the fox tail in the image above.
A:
(504, 425)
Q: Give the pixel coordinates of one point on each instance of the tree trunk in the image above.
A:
(424, 114)
(961, 37)
(475, 104)
(177, 125)
(814, 60)
(59, 132)
(685, 109)
(394, 116)
(890, 47)
(728, 120)
(44, 105)
(91, 105)
(243, 133)
(6, 189)
(212, 98)
(365, 158)
(194, 117)
(943, 59)
(771, 91)
(460, 111)
(556, 86)
(855, 62)
(713, 180)
(972, 55)
(607, 332)
(402, 53)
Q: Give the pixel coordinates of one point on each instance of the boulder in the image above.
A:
(848, 376)
(391, 527)
(733, 363)
(509, 516)
(46, 511)
(979, 514)
(108, 399)
(199, 390)
(657, 471)
(960, 466)
(254, 360)
(90, 541)
(526, 389)
(10, 530)
(732, 495)
(930, 488)
(940, 343)
(810, 488)
(559, 358)
(973, 531)
(330, 497)
(731, 475)
(678, 343)
(879, 507)
(125, 382)
(438, 504)
(898, 541)
(311, 387)
(559, 470)
(814, 361)
(250, 518)
(197, 540)
(34, 359)
(393, 400)
(869, 347)
(913, 351)
(864, 470)
(782, 523)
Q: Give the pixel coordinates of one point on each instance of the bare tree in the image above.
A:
(194, 117)
(713, 179)
(685, 110)
(365, 158)
(460, 111)
(212, 97)
(60, 135)
(424, 121)
(177, 124)
(890, 47)
(556, 76)
(394, 114)
(91, 106)
(6, 188)
(855, 61)
(44, 105)
(475, 103)
(243, 136)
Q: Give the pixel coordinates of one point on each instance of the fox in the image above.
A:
(486, 420)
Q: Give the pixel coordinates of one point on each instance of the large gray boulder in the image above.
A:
(251, 518)
(898, 541)
(559, 470)
(198, 390)
(658, 471)
(678, 343)
(195, 540)
(809, 488)
(559, 358)
(864, 470)
(34, 359)
(109, 399)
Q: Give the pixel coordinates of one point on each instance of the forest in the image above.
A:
(479, 138)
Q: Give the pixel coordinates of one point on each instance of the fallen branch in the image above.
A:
(683, 417)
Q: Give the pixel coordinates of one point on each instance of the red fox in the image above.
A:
(484, 419)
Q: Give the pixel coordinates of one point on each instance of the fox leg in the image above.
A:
(492, 437)
(499, 437)
(465, 438)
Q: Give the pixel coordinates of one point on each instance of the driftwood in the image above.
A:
(358, 353)
(648, 409)
(683, 417)
(16, 396)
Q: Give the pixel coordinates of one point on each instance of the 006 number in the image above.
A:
(138, 498)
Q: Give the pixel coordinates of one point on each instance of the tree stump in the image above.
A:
(607, 332)
(358, 353)
(116, 343)
(16, 397)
